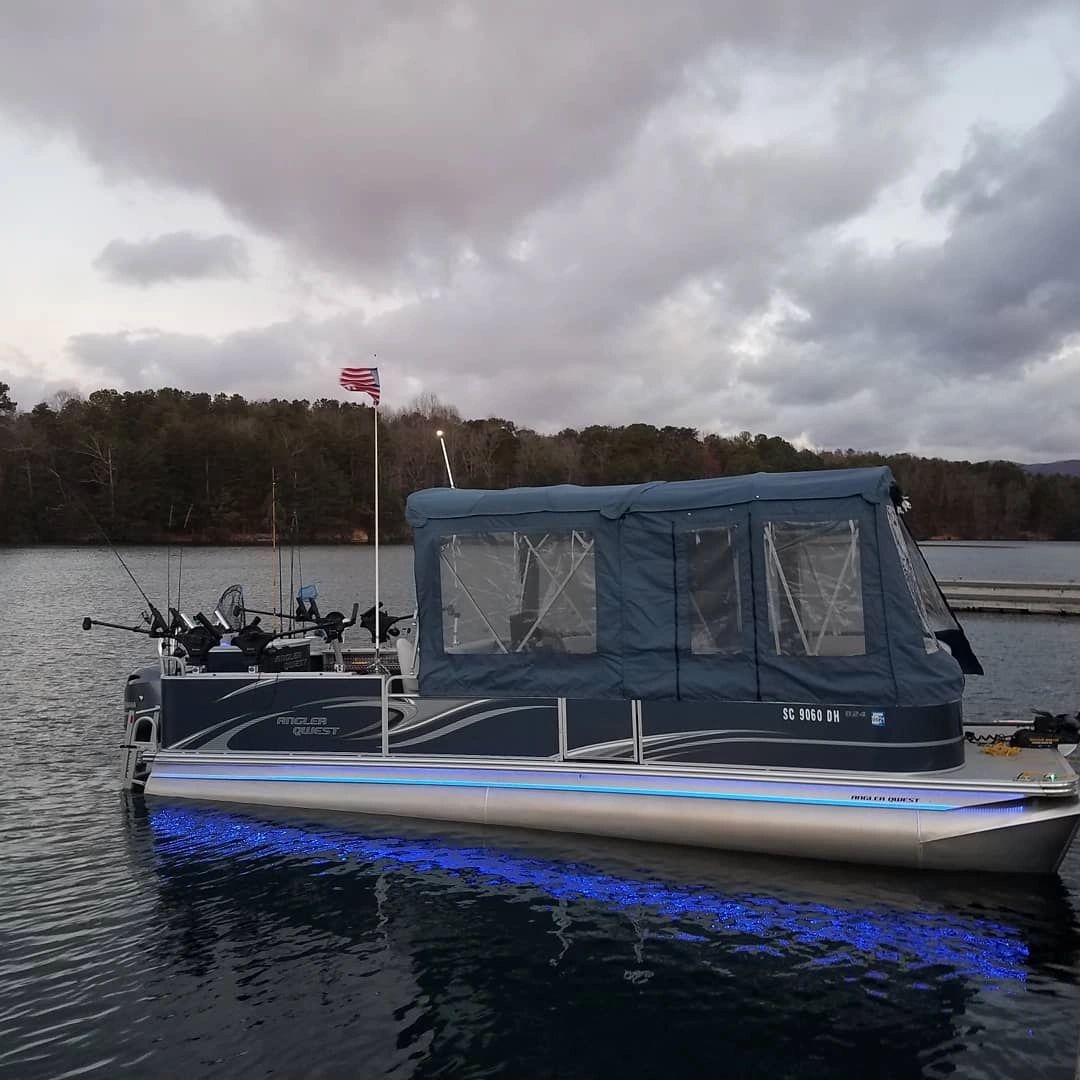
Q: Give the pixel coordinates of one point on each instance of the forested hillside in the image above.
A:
(168, 464)
(1055, 468)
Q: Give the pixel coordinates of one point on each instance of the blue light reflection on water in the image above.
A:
(977, 948)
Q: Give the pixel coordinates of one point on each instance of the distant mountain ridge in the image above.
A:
(1054, 468)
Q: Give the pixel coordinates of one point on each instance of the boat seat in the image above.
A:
(406, 653)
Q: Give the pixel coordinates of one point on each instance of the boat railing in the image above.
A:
(172, 665)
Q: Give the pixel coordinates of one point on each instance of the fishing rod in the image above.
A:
(180, 556)
(157, 620)
(152, 631)
(296, 562)
(180, 577)
(168, 559)
(280, 615)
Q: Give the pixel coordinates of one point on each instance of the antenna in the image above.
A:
(445, 456)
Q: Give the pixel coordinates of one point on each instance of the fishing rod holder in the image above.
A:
(386, 623)
(156, 626)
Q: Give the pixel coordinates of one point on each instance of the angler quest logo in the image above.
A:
(307, 725)
(891, 799)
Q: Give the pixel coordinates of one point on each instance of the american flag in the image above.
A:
(364, 380)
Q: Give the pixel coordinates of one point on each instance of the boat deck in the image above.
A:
(1030, 771)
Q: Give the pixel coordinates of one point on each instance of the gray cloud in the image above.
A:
(397, 134)
(29, 382)
(172, 257)
(273, 361)
(583, 239)
(1002, 290)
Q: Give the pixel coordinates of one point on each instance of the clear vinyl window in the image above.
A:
(814, 588)
(512, 592)
(925, 594)
(715, 598)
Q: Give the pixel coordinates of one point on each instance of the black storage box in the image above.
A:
(288, 656)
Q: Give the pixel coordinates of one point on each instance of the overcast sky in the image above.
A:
(847, 222)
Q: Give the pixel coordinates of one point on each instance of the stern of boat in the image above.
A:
(142, 727)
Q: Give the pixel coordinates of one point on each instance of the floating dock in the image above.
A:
(1014, 597)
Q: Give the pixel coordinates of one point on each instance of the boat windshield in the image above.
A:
(937, 618)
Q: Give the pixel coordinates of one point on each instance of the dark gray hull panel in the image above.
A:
(340, 713)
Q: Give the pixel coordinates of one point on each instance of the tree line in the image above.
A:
(167, 465)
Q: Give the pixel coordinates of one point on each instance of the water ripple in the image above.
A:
(155, 939)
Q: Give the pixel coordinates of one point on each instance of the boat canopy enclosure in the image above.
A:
(803, 587)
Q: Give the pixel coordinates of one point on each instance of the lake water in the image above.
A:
(139, 938)
(1005, 561)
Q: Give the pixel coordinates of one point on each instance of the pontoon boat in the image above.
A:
(760, 663)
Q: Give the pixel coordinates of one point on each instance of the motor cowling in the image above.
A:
(1050, 731)
(142, 712)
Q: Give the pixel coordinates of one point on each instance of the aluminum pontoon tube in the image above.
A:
(849, 822)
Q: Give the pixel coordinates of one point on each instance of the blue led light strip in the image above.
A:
(524, 786)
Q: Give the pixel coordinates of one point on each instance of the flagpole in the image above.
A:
(275, 586)
(366, 380)
(375, 410)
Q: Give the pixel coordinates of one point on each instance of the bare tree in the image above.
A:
(102, 471)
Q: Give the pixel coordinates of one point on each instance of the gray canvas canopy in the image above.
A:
(771, 587)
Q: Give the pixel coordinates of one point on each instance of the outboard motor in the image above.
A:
(142, 733)
(1053, 731)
